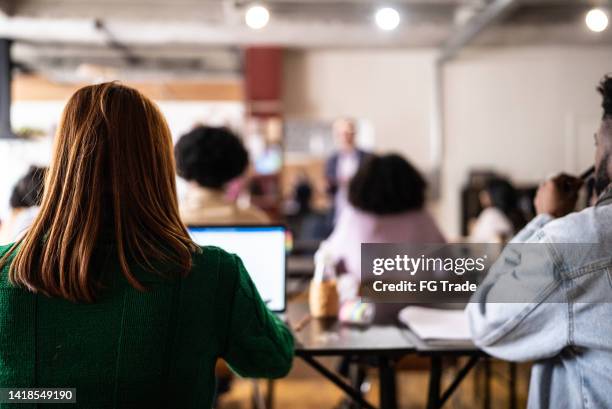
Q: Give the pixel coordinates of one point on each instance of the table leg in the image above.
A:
(512, 401)
(388, 387)
(436, 399)
(336, 380)
(435, 379)
(486, 404)
(357, 376)
(270, 394)
(459, 377)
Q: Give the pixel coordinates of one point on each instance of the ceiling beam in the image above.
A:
(173, 33)
(465, 33)
(117, 45)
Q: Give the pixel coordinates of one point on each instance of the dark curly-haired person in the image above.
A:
(554, 280)
(386, 204)
(209, 158)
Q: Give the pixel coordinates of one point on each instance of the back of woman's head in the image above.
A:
(111, 179)
(504, 196)
(387, 184)
(28, 190)
(210, 156)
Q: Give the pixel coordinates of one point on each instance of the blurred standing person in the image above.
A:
(209, 158)
(343, 164)
(501, 216)
(25, 200)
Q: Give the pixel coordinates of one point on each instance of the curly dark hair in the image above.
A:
(387, 184)
(210, 156)
(505, 197)
(605, 89)
(29, 189)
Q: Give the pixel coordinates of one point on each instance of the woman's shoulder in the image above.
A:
(214, 260)
(211, 256)
(495, 219)
(213, 264)
(492, 212)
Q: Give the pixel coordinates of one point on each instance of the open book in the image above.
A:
(436, 324)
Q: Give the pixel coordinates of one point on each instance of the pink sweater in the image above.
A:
(355, 227)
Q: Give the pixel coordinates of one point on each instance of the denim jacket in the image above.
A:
(570, 342)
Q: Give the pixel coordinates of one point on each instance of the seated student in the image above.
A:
(501, 216)
(562, 321)
(106, 292)
(305, 222)
(386, 200)
(24, 203)
(209, 158)
(386, 205)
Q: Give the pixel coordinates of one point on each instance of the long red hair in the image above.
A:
(112, 173)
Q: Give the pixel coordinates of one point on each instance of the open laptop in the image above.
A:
(262, 250)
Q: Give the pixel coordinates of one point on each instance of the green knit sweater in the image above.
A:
(154, 349)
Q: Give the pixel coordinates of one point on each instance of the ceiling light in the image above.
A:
(387, 19)
(257, 17)
(596, 20)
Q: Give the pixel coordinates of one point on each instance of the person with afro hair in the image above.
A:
(209, 158)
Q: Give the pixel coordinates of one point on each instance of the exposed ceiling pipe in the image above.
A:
(465, 33)
(113, 43)
(457, 40)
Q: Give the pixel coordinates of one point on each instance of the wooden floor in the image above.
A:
(306, 389)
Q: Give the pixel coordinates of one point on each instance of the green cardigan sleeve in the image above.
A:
(258, 344)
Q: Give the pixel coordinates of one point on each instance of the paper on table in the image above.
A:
(436, 324)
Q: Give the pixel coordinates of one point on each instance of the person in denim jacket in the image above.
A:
(562, 315)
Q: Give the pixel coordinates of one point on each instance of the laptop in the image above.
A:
(262, 250)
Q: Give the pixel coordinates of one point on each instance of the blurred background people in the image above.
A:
(386, 204)
(24, 202)
(343, 164)
(501, 216)
(109, 229)
(306, 222)
(209, 158)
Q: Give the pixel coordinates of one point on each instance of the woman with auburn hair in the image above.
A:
(106, 292)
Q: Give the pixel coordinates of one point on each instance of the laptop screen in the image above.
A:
(262, 250)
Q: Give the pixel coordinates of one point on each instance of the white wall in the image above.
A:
(526, 112)
(16, 156)
(389, 88)
(181, 115)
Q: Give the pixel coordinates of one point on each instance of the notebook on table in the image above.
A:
(436, 325)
